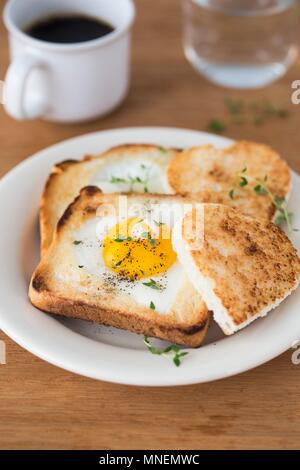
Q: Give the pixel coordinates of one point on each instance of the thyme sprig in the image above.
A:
(121, 239)
(153, 284)
(172, 351)
(148, 236)
(241, 112)
(132, 180)
(216, 125)
(261, 188)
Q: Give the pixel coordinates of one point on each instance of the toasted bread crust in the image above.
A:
(187, 335)
(68, 177)
(248, 265)
(210, 174)
(186, 323)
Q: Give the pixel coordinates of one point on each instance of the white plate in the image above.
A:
(106, 353)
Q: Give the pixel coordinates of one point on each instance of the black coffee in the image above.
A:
(69, 29)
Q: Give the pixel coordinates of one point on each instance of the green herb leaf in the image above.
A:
(279, 218)
(258, 120)
(77, 242)
(231, 193)
(172, 347)
(234, 107)
(146, 235)
(118, 263)
(261, 188)
(279, 200)
(162, 149)
(116, 180)
(257, 188)
(152, 306)
(243, 181)
(282, 113)
(240, 112)
(131, 180)
(121, 239)
(265, 111)
(172, 351)
(153, 284)
(135, 179)
(176, 360)
(216, 125)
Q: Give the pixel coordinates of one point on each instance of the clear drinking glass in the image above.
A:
(241, 43)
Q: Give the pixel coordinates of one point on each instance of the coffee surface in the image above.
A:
(69, 29)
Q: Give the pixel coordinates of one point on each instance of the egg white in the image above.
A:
(88, 255)
(139, 175)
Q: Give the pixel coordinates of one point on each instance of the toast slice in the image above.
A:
(130, 167)
(242, 267)
(72, 280)
(214, 176)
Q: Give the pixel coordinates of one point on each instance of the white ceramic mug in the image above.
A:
(67, 82)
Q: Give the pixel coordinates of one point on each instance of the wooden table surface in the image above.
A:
(44, 407)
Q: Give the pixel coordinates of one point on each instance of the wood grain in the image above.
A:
(44, 407)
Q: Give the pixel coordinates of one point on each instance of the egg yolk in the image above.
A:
(137, 256)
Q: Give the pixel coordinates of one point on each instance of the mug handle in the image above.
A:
(15, 89)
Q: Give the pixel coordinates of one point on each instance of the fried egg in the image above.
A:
(138, 173)
(133, 255)
(128, 168)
